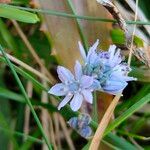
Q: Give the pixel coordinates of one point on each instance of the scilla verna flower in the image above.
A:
(75, 88)
(106, 67)
(81, 125)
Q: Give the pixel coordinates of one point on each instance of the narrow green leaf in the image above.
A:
(27, 76)
(80, 28)
(142, 75)
(7, 37)
(5, 124)
(20, 2)
(5, 109)
(16, 14)
(5, 93)
(62, 14)
(19, 134)
(119, 142)
(129, 102)
(29, 144)
(128, 113)
(26, 98)
(10, 95)
(135, 136)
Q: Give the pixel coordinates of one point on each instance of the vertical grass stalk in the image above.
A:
(26, 97)
(83, 38)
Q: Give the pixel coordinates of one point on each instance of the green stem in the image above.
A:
(83, 38)
(95, 110)
(26, 97)
(133, 135)
(62, 14)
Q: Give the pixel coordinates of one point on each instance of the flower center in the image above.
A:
(73, 87)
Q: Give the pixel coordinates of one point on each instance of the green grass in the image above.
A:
(26, 97)
(130, 120)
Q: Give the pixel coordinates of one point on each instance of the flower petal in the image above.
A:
(111, 50)
(93, 58)
(114, 87)
(94, 46)
(92, 55)
(96, 85)
(119, 77)
(78, 70)
(88, 96)
(121, 70)
(58, 89)
(116, 59)
(64, 101)
(76, 102)
(82, 51)
(73, 122)
(64, 74)
(86, 81)
(127, 78)
(85, 132)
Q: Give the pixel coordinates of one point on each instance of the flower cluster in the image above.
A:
(101, 70)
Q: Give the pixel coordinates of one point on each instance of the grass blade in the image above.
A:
(62, 14)
(26, 98)
(128, 113)
(19, 134)
(17, 14)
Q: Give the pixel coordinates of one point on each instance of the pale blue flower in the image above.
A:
(75, 88)
(81, 125)
(109, 72)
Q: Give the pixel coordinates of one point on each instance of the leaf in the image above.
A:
(20, 85)
(128, 113)
(142, 75)
(41, 46)
(5, 110)
(19, 98)
(129, 102)
(27, 76)
(20, 2)
(118, 36)
(7, 37)
(138, 41)
(19, 134)
(119, 142)
(5, 124)
(16, 14)
(10, 95)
